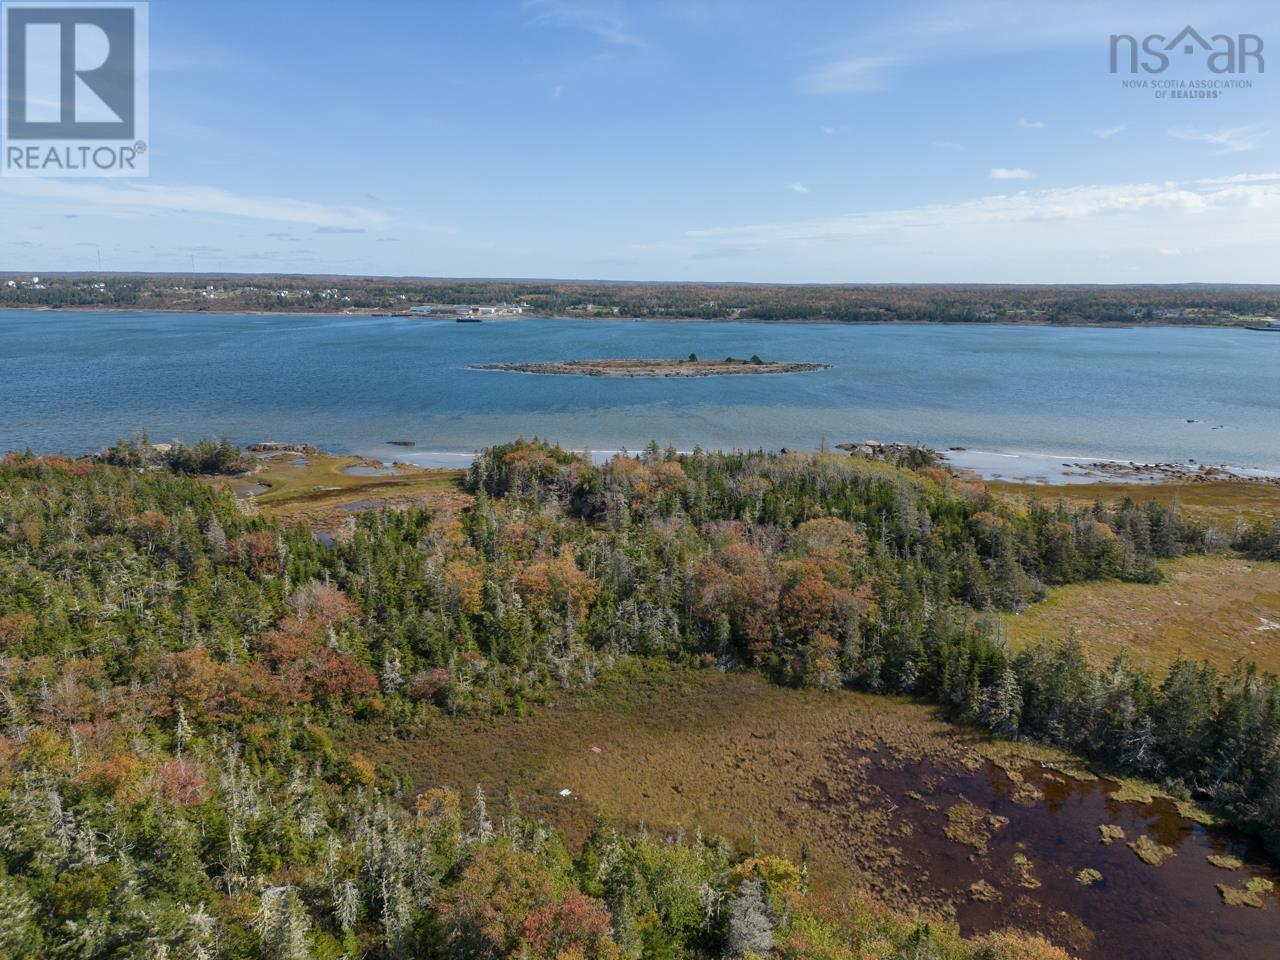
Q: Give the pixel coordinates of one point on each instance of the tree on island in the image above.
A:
(693, 358)
(755, 359)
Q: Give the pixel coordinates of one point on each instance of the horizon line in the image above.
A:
(603, 281)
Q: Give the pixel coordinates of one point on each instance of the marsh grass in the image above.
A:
(1136, 791)
(864, 785)
(968, 824)
(723, 752)
(1025, 870)
(317, 489)
(1111, 833)
(1088, 876)
(983, 892)
(1195, 812)
(1151, 852)
(1248, 894)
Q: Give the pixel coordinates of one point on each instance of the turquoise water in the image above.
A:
(75, 381)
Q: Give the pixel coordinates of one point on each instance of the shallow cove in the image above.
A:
(832, 772)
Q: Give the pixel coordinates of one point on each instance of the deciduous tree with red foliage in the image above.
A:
(575, 926)
(309, 668)
(181, 780)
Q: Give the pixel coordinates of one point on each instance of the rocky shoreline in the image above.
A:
(1166, 472)
(273, 446)
(1067, 471)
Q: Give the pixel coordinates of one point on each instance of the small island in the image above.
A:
(691, 367)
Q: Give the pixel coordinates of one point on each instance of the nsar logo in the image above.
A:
(1222, 53)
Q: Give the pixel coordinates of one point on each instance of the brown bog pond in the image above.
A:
(881, 792)
(1029, 852)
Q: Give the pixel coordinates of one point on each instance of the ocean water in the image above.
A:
(1010, 395)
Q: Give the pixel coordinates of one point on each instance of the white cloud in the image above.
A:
(1026, 124)
(1240, 178)
(1230, 139)
(131, 199)
(797, 188)
(1088, 233)
(856, 75)
(919, 32)
(1054, 204)
(1010, 173)
(600, 20)
(1106, 133)
(828, 130)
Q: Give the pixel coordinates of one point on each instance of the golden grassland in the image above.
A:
(1219, 502)
(1217, 608)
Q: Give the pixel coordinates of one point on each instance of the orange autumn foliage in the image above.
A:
(114, 776)
(16, 629)
(465, 581)
(308, 668)
(259, 552)
(180, 780)
(187, 677)
(555, 583)
(738, 586)
(323, 602)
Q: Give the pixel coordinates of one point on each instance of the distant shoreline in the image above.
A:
(383, 315)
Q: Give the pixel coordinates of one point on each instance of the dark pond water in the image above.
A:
(1172, 911)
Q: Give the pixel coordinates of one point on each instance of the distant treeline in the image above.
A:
(946, 303)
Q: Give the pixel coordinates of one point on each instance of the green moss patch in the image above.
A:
(1149, 851)
(1110, 833)
(983, 892)
(1248, 894)
(1026, 871)
(1224, 861)
(970, 825)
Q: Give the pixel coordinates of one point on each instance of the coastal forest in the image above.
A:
(181, 677)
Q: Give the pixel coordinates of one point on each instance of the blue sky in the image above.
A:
(980, 141)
